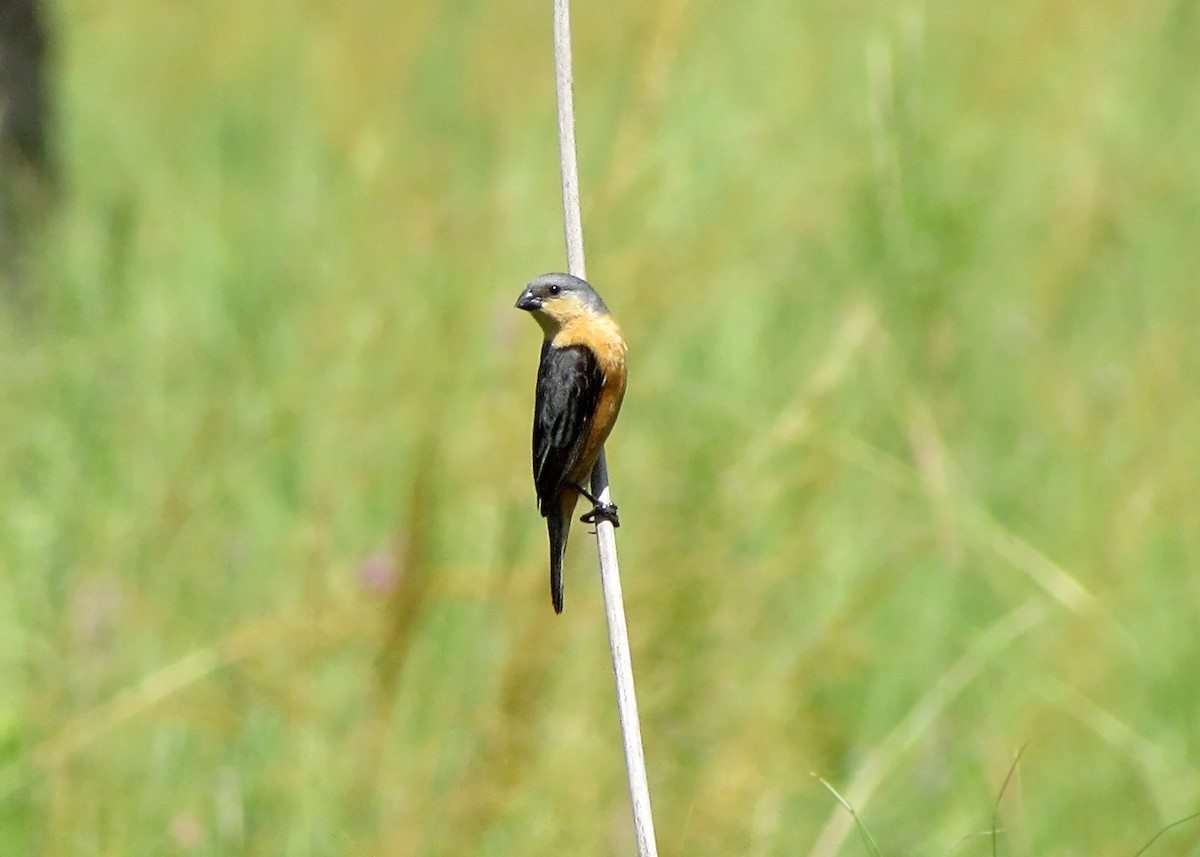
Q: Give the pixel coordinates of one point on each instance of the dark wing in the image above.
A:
(568, 389)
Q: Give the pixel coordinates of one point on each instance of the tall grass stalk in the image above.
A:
(606, 541)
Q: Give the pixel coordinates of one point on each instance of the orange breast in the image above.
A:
(602, 336)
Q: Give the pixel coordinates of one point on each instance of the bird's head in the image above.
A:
(557, 299)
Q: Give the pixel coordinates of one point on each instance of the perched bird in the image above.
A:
(580, 385)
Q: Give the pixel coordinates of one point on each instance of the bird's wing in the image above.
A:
(568, 389)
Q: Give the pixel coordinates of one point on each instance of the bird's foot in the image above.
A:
(602, 512)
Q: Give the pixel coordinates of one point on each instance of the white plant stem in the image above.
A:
(606, 541)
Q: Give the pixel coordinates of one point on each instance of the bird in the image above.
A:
(580, 386)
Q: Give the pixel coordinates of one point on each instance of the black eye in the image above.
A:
(555, 289)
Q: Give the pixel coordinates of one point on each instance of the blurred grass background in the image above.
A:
(907, 469)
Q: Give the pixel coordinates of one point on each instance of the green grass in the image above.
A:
(907, 468)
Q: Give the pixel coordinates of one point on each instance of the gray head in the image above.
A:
(557, 298)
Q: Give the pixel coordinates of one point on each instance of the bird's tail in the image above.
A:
(558, 522)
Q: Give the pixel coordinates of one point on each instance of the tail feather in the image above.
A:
(558, 522)
(559, 526)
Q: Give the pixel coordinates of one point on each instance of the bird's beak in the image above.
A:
(528, 302)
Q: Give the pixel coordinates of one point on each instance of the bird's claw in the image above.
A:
(602, 512)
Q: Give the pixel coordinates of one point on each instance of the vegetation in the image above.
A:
(907, 469)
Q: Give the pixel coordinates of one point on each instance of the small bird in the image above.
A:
(580, 385)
